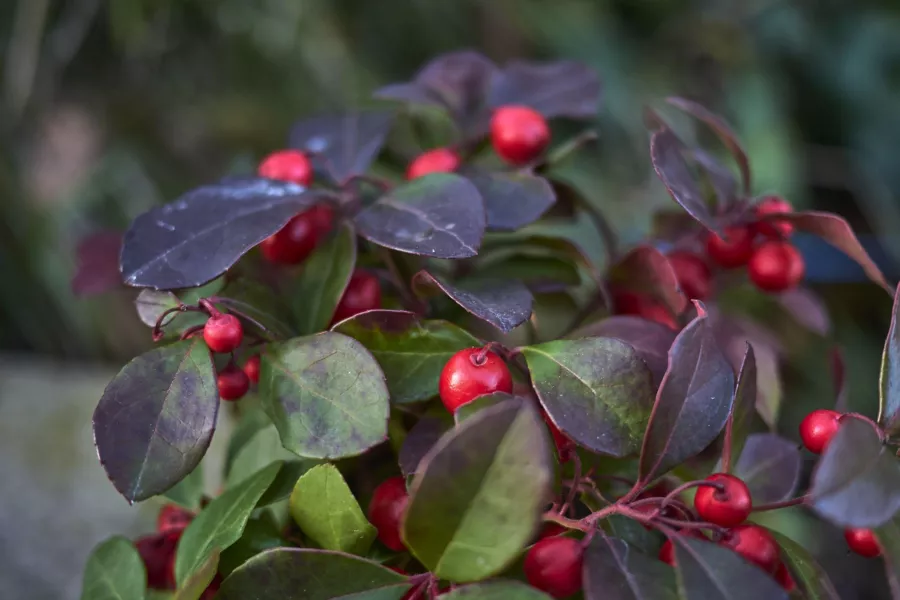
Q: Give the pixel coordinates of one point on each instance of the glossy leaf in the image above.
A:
(195, 585)
(496, 590)
(857, 481)
(633, 533)
(261, 533)
(260, 304)
(189, 491)
(707, 571)
(889, 539)
(200, 235)
(555, 89)
(342, 145)
(283, 484)
(647, 270)
(97, 264)
(439, 215)
(419, 440)
(411, 351)
(693, 401)
(114, 571)
(306, 574)
(809, 576)
(326, 395)
(512, 200)
(596, 390)
(667, 153)
(502, 303)
(156, 418)
(717, 177)
(488, 479)
(221, 523)
(613, 570)
(324, 278)
(889, 382)
(770, 466)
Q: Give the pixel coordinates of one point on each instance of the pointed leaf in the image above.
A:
(555, 89)
(439, 215)
(468, 479)
(647, 270)
(114, 571)
(195, 585)
(156, 418)
(667, 154)
(260, 304)
(97, 264)
(741, 416)
(596, 390)
(809, 576)
(419, 440)
(889, 382)
(496, 590)
(324, 278)
(770, 466)
(504, 304)
(325, 394)
(889, 539)
(512, 199)
(707, 571)
(615, 571)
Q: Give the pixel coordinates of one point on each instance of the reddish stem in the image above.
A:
(782, 504)
(207, 305)
(686, 486)
(191, 331)
(862, 417)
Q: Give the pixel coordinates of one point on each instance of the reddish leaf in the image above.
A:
(97, 263)
(647, 270)
(668, 155)
(889, 384)
(807, 309)
(555, 89)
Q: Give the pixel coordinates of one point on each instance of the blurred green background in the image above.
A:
(110, 107)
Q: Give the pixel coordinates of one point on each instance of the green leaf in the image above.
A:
(221, 523)
(189, 491)
(597, 391)
(478, 494)
(260, 450)
(259, 303)
(114, 571)
(305, 574)
(326, 395)
(196, 584)
(249, 423)
(889, 538)
(615, 571)
(323, 281)
(889, 382)
(707, 571)
(325, 509)
(810, 577)
(411, 351)
(284, 482)
(261, 533)
(496, 590)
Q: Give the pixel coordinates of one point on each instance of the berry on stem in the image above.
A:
(553, 565)
(732, 251)
(287, 165)
(251, 368)
(773, 205)
(692, 273)
(386, 511)
(233, 383)
(471, 373)
(157, 552)
(817, 429)
(439, 160)
(519, 134)
(173, 518)
(363, 293)
(755, 544)
(863, 542)
(727, 504)
(776, 266)
(223, 333)
(295, 241)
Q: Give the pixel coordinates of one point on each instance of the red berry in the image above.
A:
(173, 517)
(233, 383)
(363, 293)
(732, 251)
(773, 205)
(223, 333)
(386, 511)
(784, 579)
(755, 544)
(817, 429)
(551, 530)
(667, 553)
(553, 565)
(728, 506)
(519, 134)
(565, 447)
(630, 303)
(471, 373)
(776, 266)
(287, 165)
(251, 368)
(439, 160)
(692, 273)
(295, 241)
(157, 551)
(863, 542)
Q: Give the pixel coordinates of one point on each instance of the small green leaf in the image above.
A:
(196, 584)
(744, 402)
(114, 571)
(810, 577)
(324, 278)
(189, 491)
(221, 523)
(260, 304)
(325, 509)
(496, 590)
(478, 494)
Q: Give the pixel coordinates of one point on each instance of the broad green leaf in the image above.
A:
(324, 278)
(305, 574)
(260, 304)
(496, 590)
(248, 425)
(284, 482)
(808, 575)
(889, 383)
(189, 491)
(260, 450)
(325, 509)
(261, 533)
(114, 571)
(420, 439)
(889, 538)
(707, 571)
(326, 395)
(410, 350)
(478, 494)
(597, 391)
(196, 584)
(221, 523)
(613, 570)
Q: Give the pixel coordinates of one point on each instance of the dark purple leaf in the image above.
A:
(613, 570)
(719, 178)
(693, 401)
(770, 466)
(503, 304)
(512, 200)
(596, 390)
(807, 309)
(889, 539)
(668, 155)
(200, 235)
(555, 89)
(809, 576)
(156, 418)
(266, 309)
(419, 440)
(97, 264)
(889, 385)
(647, 270)
(344, 144)
(707, 571)
(495, 589)
(744, 403)
(857, 481)
(439, 215)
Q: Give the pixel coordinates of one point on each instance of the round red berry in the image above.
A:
(817, 429)
(776, 266)
(251, 368)
(551, 530)
(173, 517)
(295, 241)
(363, 293)
(287, 165)
(784, 578)
(667, 553)
(863, 542)
(223, 333)
(553, 565)
(439, 160)
(157, 552)
(519, 134)
(692, 273)
(638, 305)
(773, 205)
(755, 544)
(233, 383)
(728, 506)
(386, 511)
(732, 251)
(471, 373)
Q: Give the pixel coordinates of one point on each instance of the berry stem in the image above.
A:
(207, 305)
(160, 324)
(569, 147)
(862, 417)
(686, 486)
(191, 331)
(239, 313)
(782, 504)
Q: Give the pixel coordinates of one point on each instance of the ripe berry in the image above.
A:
(726, 507)
(233, 383)
(287, 165)
(251, 368)
(363, 293)
(157, 551)
(295, 241)
(553, 565)
(223, 333)
(667, 553)
(173, 518)
(630, 303)
(773, 205)
(386, 511)
(732, 251)
(817, 429)
(551, 530)
(692, 273)
(471, 373)
(439, 160)
(784, 578)
(755, 544)
(776, 266)
(863, 542)
(565, 447)
(519, 134)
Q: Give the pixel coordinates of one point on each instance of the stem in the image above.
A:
(573, 491)
(190, 331)
(570, 146)
(160, 325)
(207, 305)
(230, 304)
(861, 417)
(686, 486)
(782, 504)
(554, 517)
